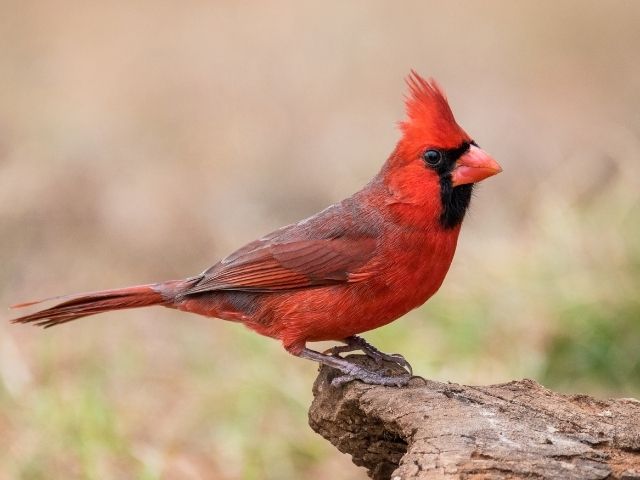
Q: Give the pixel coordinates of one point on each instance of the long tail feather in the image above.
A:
(85, 304)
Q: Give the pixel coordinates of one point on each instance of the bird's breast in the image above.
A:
(415, 269)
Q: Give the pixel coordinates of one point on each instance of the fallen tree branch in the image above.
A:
(430, 430)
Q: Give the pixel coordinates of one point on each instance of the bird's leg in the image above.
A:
(352, 371)
(355, 342)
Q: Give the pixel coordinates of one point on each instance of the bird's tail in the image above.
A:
(85, 304)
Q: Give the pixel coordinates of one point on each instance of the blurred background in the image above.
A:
(142, 141)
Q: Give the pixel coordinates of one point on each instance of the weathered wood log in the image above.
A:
(433, 430)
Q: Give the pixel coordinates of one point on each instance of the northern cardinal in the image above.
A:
(355, 266)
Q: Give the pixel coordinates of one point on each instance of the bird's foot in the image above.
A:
(351, 371)
(358, 343)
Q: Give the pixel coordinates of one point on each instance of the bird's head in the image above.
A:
(436, 163)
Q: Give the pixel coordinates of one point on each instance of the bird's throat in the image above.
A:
(455, 201)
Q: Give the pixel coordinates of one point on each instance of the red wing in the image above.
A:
(289, 265)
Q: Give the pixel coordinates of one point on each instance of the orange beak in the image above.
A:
(474, 166)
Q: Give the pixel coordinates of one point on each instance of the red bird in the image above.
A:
(355, 266)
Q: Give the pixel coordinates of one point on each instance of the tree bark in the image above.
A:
(433, 430)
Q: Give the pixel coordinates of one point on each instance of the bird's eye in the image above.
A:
(432, 157)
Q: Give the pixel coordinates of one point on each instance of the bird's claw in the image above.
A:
(393, 358)
(352, 371)
(359, 343)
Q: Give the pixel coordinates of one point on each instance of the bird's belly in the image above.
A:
(334, 313)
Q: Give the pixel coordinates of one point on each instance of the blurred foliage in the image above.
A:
(594, 345)
(140, 142)
(597, 345)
